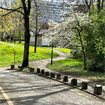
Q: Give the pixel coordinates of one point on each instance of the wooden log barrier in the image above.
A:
(19, 67)
(31, 69)
(53, 75)
(12, 67)
(38, 70)
(46, 73)
(84, 85)
(98, 89)
(74, 82)
(58, 76)
(65, 79)
(42, 72)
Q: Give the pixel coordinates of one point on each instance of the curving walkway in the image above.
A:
(42, 63)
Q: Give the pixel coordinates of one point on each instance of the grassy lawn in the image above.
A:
(7, 53)
(64, 50)
(74, 67)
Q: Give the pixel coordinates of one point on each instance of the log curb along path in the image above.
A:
(91, 84)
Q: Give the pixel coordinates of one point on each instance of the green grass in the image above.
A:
(74, 67)
(64, 50)
(7, 53)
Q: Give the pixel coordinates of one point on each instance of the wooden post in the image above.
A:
(84, 85)
(65, 79)
(52, 55)
(47, 73)
(58, 76)
(31, 69)
(52, 75)
(12, 67)
(98, 89)
(38, 70)
(42, 71)
(74, 82)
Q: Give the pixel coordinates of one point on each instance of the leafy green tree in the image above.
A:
(93, 36)
(26, 6)
(6, 23)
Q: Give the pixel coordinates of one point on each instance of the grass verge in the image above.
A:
(64, 50)
(7, 53)
(74, 67)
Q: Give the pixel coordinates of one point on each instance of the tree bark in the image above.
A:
(83, 50)
(98, 5)
(27, 40)
(102, 4)
(36, 28)
(19, 36)
(20, 31)
(35, 43)
(27, 33)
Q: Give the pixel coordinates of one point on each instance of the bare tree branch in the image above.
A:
(12, 10)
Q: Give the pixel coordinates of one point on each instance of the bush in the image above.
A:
(95, 66)
(76, 53)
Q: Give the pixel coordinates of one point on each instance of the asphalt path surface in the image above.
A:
(31, 89)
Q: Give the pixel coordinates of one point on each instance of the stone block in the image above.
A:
(74, 82)
(98, 89)
(53, 75)
(84, 85)
(65, 79)
(58, 76)
(38, 70)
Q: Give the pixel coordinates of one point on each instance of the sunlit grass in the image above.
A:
(7, 53)
(64, 50)
(74, 67)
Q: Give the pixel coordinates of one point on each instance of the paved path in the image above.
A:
(42, 65)
(31, 89)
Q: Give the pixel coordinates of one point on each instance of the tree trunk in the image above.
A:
(2, 33)
(98, 5)
(19, 36)
(36, 28)
(35, 43)
(27, 32)
(10, 35)
(102, 4)
(20, 31)
(27, 41)
(83, 51)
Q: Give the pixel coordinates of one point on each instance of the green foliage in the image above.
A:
(16, 35)
(7, 53)
(6, 22)
(93, 36)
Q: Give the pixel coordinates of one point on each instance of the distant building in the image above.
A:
(50, 11)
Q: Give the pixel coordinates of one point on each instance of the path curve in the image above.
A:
(42, 63)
